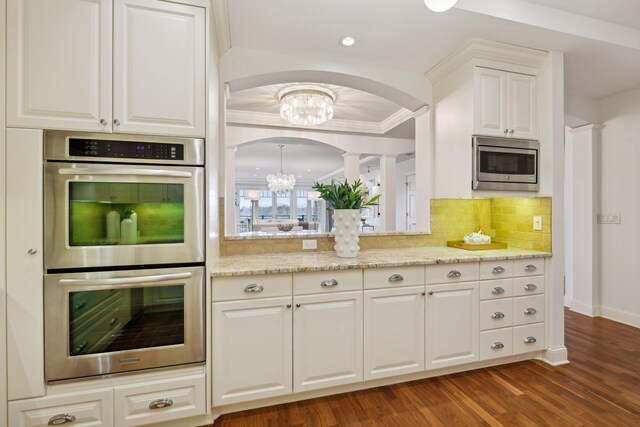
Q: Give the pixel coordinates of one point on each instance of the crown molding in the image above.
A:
(395, 120)
(484, 52)
(220, 12)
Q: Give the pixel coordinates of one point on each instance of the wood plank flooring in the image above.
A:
(600, 387)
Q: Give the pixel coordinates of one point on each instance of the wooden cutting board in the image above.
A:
(462, 245)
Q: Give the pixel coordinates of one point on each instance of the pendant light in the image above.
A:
(440, 5)
(281, 182)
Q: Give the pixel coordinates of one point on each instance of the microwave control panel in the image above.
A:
(81, 147)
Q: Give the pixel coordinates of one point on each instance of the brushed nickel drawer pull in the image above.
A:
(113, 321)
(288, 305)
(430, 292)
(329, 283)
(497, 346)
(32, 251)
(530, 287)
(58, 420)
(530, 340)
(497, 315)
(498, 270)
(298, 305)
(161, 403)
(454, 274)
(530, 267)
(497, 290)
(529, 311)
(253, 288)
(423, 293)
(396, 278)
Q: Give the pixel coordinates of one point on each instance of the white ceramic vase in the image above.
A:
(347, 228)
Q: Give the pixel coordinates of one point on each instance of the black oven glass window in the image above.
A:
(108, 213)
(110, 320)
(507, 163)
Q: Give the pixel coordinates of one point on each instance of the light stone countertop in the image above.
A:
(238, 265)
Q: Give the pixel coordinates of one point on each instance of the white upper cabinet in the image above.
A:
(505, 104)
(61, 54)
(59, 64)
(159, 69)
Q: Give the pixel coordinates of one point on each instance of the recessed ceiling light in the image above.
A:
(308, 170)
(299, 176)
(348, 41)
(255, 174)
(257, 169)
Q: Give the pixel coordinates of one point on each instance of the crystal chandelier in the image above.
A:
(281, 182)
(306, 105)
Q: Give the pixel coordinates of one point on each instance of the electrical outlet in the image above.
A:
(309, 244)
(537, 223)
(608, 218)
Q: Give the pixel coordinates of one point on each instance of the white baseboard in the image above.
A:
(587, 310)
(555, 356)
(621, 316)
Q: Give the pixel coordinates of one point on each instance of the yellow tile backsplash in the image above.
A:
(507, 220)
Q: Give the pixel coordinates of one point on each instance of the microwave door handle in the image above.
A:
(125, 171)
(124, 280)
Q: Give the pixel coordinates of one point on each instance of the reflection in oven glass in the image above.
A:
(107, 213)
(125, 319)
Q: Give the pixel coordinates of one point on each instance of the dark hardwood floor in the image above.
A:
(600, 387)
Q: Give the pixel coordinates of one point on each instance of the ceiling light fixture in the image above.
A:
(348, 41)
(306, 105)
(440, 5)
(280, 182)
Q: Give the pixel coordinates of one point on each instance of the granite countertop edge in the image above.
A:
(229, 266)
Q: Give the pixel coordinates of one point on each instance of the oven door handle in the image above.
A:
(124, 280)
(125, 171)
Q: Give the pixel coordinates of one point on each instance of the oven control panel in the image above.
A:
(82, 147)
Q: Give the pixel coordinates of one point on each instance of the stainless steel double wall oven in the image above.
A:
(124, 253)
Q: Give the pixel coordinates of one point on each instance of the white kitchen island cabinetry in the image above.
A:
(106, 66)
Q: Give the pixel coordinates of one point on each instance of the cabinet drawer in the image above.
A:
(528, 267)
(496, 269)
(528, 338)
(94, 409)
(528, 309)
(491, 289)
(318, 282)
(496, 313)
(528, 285)
(375, 278)
(458, 272)
(158, 401)
(243, 287)
(496, 343)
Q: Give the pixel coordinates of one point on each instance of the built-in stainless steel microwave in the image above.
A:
(505, 164)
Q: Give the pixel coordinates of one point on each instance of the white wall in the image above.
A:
(402, 170)
(568, 215)
(620, 168)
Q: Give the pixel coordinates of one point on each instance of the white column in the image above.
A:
(388, 191)
(293, 200)
(585, 241)
(351, 166)
(423, 170)
(230, 220)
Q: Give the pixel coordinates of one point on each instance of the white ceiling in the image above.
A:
(404, 34)
(307, 160)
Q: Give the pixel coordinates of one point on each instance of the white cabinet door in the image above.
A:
(490, 102)
(327, 337)
(251, 349)
(159, 68)
(25, 350)
(521, 106)
(59, 64)
(393, 332)
(452, 321)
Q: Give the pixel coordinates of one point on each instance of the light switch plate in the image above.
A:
(608, 218)
(537, 223)
(309, 244)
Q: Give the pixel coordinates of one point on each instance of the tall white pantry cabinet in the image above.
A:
(107, 66)
(134, 66)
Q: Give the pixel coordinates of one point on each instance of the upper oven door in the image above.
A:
(99, 215)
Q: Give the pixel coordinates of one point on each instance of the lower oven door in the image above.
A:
(122, 215)
(110, 322)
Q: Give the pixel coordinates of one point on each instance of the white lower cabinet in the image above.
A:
(327, 340)
(252, 349)
(528, 338)
(393, 332)
(159, 401)
(452, 324)
(82, 409)
(496, 343)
